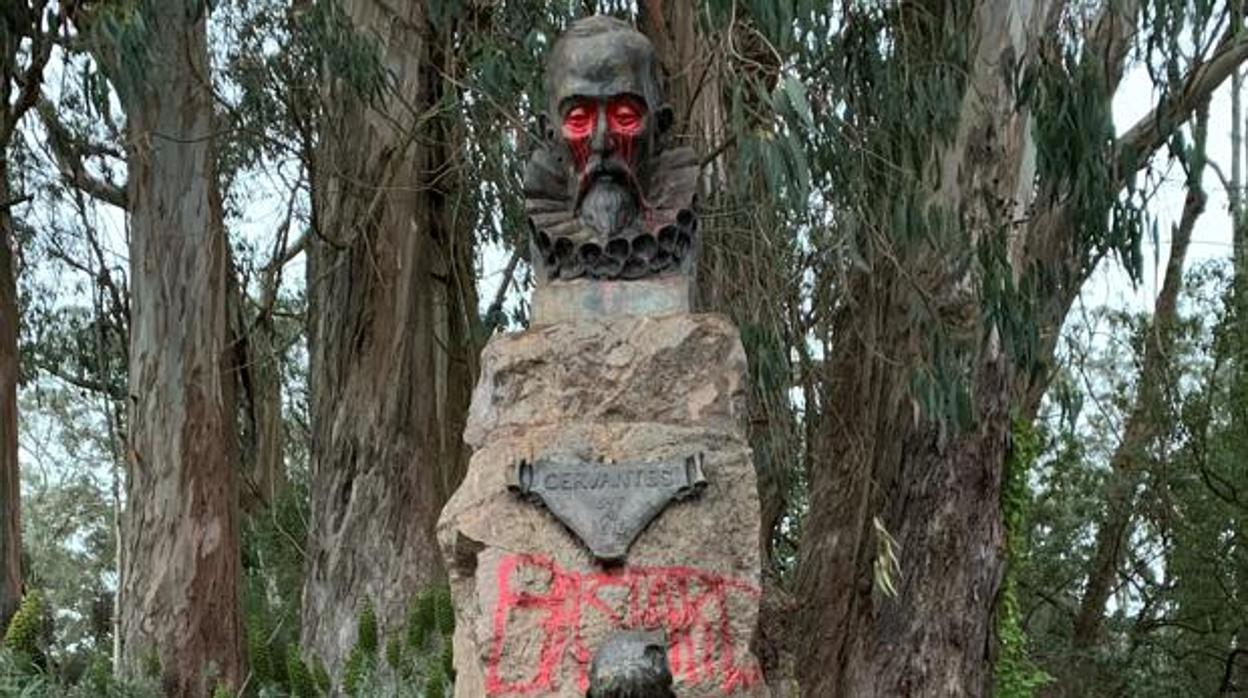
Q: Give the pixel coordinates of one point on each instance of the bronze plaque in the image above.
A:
(607, 505)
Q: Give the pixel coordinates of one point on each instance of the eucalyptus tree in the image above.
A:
(1238, 198)
(26, 38)
(180, 582)
(1174, 616)
(391, 310)
(975, 178)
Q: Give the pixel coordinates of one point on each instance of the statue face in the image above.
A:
(607, 115)
(605, 198)
(604, 135)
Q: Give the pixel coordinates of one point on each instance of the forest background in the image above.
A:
(988, 260)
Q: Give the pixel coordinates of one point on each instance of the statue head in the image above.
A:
(607, 111)
(603, 182)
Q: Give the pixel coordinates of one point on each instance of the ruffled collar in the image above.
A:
(564, 247)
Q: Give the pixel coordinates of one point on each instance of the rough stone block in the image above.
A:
(679, 370)
(532, 605)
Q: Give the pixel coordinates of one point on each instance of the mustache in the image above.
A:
(609, 168)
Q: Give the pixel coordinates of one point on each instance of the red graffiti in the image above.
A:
(694, 608)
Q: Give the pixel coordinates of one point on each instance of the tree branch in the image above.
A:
(271, 273)
(1113, 31)
(16, 201)
(717, 151)
(1149, 411)
(1134, 147)
(1228, 675)
(32, 78)
(82, 381)
(494, 313)
(1227, 184)
(68, 152)
(290, 252)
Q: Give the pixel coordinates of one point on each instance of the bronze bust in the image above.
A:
(605, 198)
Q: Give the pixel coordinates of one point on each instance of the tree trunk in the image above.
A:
(1237, 675)
(939, 500)
(181, 523)
(258, 371)
(903, 554)
(19, 89)
(1148, 417)
(902, 549)
(10, 483)
(391, 307)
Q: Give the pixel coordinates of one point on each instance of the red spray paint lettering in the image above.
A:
(694, 607)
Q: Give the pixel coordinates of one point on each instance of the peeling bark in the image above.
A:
(391, 312)
(934, 489)
(181, 521)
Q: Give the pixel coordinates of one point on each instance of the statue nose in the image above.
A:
(600, 142)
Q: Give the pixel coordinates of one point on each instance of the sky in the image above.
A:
(1211, 238)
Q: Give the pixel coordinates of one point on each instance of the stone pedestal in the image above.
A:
(532, 605)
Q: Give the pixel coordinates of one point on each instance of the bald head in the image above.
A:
(600, 57)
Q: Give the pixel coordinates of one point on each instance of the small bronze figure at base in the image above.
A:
(631, 665)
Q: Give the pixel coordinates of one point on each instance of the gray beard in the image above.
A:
(609, 208)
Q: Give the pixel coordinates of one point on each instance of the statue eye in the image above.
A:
(579, 121)
(624, 116)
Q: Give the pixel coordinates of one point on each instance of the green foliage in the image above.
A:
(1008, 305)
(1017, 676)
(1074, 131)
(444, 610)
(415, 657)
(366, 638)
(18, 678)
(122, 33)
(1168, 628)
(260, 654)
(421, 620)
(394, 653)
(349, 55)
(363, 658)
(25, 636)
(825, 203)
(320, 676)
(435, 683)
(359, 667)
(67, 517)
(150, 663)
(301, 682)
(272, 585)
(99, 678)
(447, 657)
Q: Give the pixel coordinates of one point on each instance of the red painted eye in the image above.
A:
(624, 116)
(578, 123)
